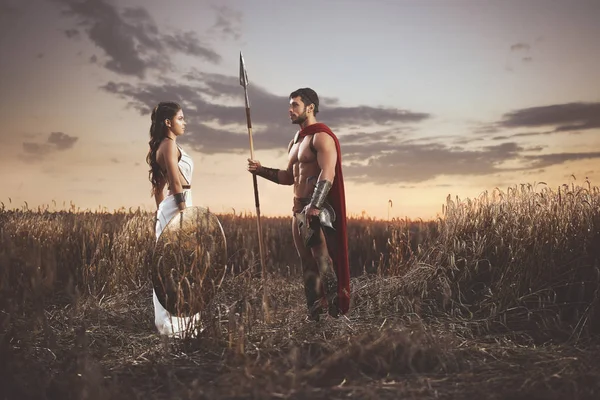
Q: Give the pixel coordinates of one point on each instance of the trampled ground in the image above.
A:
(107, 348)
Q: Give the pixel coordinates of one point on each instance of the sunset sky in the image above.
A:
(427, 97)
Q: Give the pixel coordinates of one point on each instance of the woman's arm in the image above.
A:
(170, 156)
(159, 195)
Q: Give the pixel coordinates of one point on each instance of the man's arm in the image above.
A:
(327, 159)
(279, 176)
(286, 176)
(326, 156)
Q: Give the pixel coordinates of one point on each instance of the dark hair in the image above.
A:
(308, 97)
(158, 132)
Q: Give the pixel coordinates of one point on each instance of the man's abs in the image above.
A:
(305, 178)
(305, 167)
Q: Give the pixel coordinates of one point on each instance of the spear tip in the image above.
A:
(243, 73)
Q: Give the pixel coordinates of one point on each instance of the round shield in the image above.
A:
(189, 261)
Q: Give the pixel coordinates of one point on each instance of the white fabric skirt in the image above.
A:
(167, 324)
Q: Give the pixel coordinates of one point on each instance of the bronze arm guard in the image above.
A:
(271, 174)
(320, 194)
(179, 198)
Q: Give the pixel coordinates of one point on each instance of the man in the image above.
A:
(319, 211)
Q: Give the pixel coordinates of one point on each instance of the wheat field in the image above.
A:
(496, 299)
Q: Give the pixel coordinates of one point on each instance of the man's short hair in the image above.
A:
(308, 97)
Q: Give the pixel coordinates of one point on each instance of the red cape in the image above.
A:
(338, 245)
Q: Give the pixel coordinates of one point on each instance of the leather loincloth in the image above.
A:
(299, 204)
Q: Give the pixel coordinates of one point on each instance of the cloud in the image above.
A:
(516, 50)
(466, 140)
(530, 134)
(57, 141)
(522, 134)
(443, 185)
(228, 23)
(365, 114)
(486, 128)
(188, 43)
(132, 42)
(546, 160)
(9, 7)
(213, 105)
(36, 148)
(520, 47)
(413, 163)
(61, 140)
(72, 33)
(209, 140)
(564, 117)
(535, 172)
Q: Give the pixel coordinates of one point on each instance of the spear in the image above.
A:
(244, 84)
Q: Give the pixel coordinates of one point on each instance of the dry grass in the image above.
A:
(498, 299)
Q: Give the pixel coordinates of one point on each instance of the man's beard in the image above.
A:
(300, 119)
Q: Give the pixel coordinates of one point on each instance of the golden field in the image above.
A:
(497, 299)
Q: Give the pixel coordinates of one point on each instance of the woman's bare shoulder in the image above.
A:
(167, 147)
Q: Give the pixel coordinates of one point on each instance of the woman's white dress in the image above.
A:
(166, 323)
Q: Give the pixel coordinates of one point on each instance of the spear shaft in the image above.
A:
(244, 83)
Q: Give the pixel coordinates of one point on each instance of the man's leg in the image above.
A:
(312, 284)
(326, 273)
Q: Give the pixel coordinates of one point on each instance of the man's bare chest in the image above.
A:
(303, 151)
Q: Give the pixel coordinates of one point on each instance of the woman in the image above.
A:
(169, 165)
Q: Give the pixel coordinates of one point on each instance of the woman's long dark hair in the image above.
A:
(158, 131)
